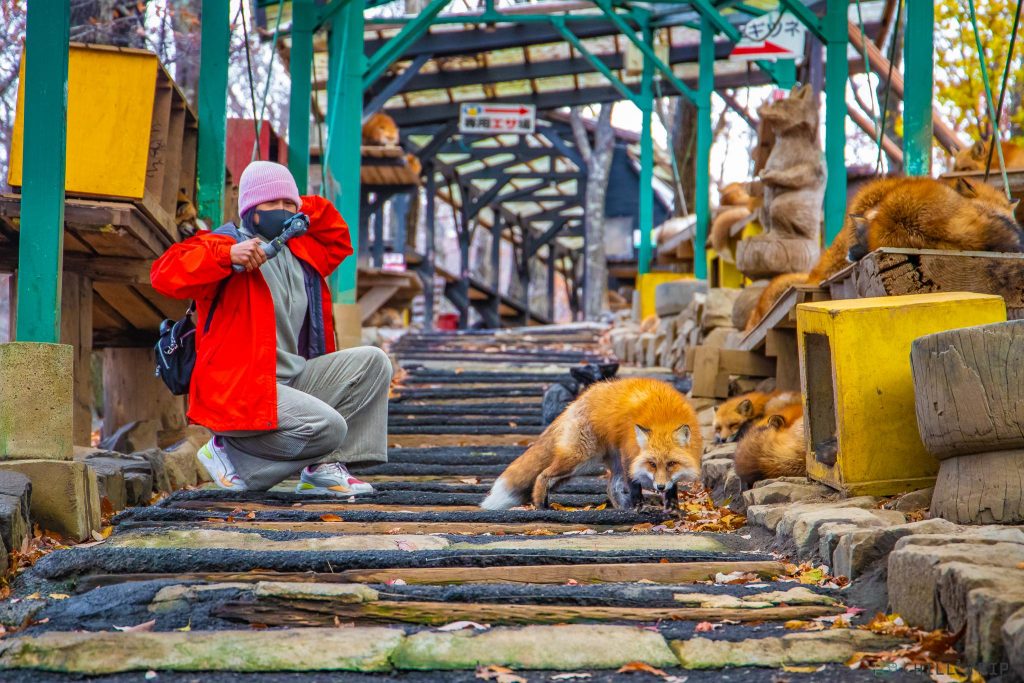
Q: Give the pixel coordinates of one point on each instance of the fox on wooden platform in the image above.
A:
(643, 430)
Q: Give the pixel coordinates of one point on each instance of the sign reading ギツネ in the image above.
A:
(497, 118)
(771, 36)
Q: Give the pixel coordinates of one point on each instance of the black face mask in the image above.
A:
(271, 223)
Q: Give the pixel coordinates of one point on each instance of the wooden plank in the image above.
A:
(665, 573)
(131, 392)
(746, 363)
(466, 528)
(373, 300)
(76, 329)
(709, 379)
(277, 612)
(130, 305)
(166, 306)
(159, 138)
(434, 440)
(340, 506)
(777, 314)
(172, 162)
(783, 344)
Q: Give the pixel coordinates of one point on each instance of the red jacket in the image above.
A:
(234, 383)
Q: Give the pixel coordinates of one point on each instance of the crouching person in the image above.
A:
(268, 381)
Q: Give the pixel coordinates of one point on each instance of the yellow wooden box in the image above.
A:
(110, 114)
(862, 435)
(646, 283)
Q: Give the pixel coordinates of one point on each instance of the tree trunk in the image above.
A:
(599, 163)
(684, 146)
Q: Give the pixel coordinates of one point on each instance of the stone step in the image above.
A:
(423, 440)
(391, 498)
(467, 430)
(445, 418)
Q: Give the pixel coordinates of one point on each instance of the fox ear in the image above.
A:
(683, 436)
(964, 187)
(1013, 204)
(641, 436)
(745, 408)
(978, 149)
(776, 422)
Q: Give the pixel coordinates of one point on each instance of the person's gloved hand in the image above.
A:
(248, 254)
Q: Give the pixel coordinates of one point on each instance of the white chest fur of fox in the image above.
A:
(642, 430)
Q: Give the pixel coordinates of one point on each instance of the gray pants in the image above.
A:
(335, 410)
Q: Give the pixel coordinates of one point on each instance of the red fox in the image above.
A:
(644, 431)
(774, 447)
(721, 227)
(975, 157)
(734, 194)
(775, 289)
(380, 131)
(732, 416)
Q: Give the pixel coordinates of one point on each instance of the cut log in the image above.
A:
(277, 612)
(761, 257)
(969, 387)
(983, 488)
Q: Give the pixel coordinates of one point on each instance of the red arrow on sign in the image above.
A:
(522, 111)
(769, 48)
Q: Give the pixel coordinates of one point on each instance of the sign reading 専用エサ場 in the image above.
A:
(497, 118)
(771, 36)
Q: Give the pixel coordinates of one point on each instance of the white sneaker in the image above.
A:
(331, 479)
(215, 461)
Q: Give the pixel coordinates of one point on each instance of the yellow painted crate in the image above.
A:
(130, 133)
(862, 434)
(647, 282)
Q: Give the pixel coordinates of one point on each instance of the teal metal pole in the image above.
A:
(836, 71)
(44, 152)
(918, 56)
(300, 66)
(785, 73)
(346, 64)
(702, 200)
(646, 204)
(213, 102)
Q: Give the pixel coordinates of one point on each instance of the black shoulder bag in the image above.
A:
(176, 347)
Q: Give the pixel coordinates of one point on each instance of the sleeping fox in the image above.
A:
(642, 429)
(380, 131)
(975, 157)
(774, 447)
(732, 417)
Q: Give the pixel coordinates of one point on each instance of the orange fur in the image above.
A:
(734, 194)
(720, 228)
(922, 213)
(775, 289)
(644, 431)
(975, 157)
(380, 131)
(774, 447)
(650, 323)
(737, 412)
(413, 162)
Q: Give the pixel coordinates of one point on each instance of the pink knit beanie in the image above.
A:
(265, 181)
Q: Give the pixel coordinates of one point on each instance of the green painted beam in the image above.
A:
(342, 155)
(645, 210)
(44, 150)
(918, 58)
(645, 48)
(603, 68)
(809, 18)
(300, 67)
(393, 49)
(718, 22)
(836, 72)
(702, 198)
(213, 100)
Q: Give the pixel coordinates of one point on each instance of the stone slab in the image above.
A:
(15, 509)
(299, 649)
(135, 470)
(794, 596)
(65, 496)
(854, 552)
(568, 647)
(602, 543)
(674, 296)
(774, 491)
(978, 598)
(1013, 641)
(769, 516)
(240, 540)
(337, 592)
(821, 647)
(36, 401)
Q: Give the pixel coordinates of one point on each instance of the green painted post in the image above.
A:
(41, 246)
(300, 66)
(345, 99)
(645, 210)
(918, 56)
(702, 200)
(785, 73)
(213, 102)
(836, 71)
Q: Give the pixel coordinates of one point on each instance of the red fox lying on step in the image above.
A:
(773, 447)
(734, 415)
(643, 430)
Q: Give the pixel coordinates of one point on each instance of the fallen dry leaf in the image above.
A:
(59, 596)
(460, 625)
(803, 669)
(643, 667)
(144, 626)
(571, 676)
(500, 674)
(405, 545)
(251, 515)
(330, 518)
(706, 627)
